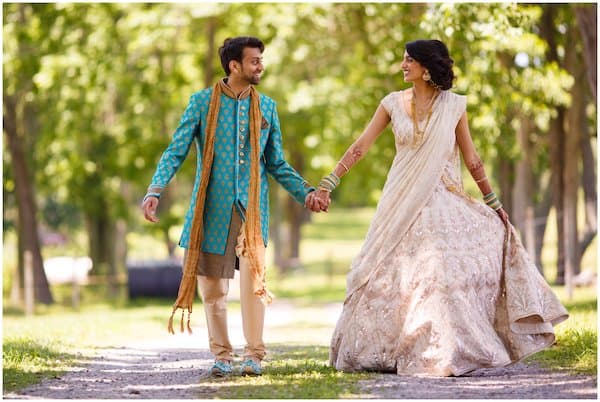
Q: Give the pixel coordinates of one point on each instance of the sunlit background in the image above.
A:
(93, 92)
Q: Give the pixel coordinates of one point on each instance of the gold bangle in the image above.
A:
(344, 166)
(484, 178)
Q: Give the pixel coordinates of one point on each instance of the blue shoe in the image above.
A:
(250, 367)
(220, 369)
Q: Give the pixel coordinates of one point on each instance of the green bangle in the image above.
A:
(329, 182)
(489, 197)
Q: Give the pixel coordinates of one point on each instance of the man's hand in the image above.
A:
(317, 201)
(149, 207)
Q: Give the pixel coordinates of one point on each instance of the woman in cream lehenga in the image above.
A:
(442, 285)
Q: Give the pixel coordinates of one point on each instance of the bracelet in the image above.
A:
(329, 182)
(496, 205)
(492, 201)
(489, 197)
(484, 178)
(344, 166)
(157, 195)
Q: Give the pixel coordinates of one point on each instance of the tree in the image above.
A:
(21, 63)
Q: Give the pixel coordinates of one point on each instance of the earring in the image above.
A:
(426, 76)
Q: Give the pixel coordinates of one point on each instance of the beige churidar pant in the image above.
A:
(214, 296)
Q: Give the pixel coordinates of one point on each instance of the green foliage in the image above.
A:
(103, 86)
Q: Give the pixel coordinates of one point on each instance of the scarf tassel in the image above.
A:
(185, 298)
(170, 327)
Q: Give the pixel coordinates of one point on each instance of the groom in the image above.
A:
(238, 138)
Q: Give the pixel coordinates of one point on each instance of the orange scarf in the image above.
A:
(253, 246)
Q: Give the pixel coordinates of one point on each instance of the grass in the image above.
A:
(576, 347)
(27, 361)
(292, 372)
(49, 343)
(58, 337)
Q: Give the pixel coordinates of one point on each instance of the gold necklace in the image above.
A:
(418, 133)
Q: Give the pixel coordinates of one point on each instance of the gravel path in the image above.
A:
(170, 368)
(155, 373)
(519, 381)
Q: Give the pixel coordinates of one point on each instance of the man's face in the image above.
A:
(252, 65)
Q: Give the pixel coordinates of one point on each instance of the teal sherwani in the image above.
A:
(230, 174)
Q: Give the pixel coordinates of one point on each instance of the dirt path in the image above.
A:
(516, 382)
(154, 373)
(170, 368)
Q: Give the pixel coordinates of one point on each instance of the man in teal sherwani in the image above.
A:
(226, 197)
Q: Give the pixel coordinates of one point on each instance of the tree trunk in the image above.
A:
(120, 249)
(27, 209)
(589, 190)
(101, 236)
(542, 210)
(575, 117)
(587, 20)
(275, 228)
(295, 216)
(17, 297)
(523, 208)
(556, 138)
(506, 172)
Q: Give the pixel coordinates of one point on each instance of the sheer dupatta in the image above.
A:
(409, 185)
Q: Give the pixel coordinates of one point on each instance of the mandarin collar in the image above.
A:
(230, 92)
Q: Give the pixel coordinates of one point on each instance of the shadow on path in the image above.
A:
(126, 373)
(519, 381)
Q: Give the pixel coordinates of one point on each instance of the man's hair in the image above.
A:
(233, 49)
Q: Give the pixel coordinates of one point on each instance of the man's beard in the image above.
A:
(251, 79)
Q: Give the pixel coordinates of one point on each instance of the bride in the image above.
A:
(442, 285)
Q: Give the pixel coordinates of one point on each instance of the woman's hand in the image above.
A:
(324, 199)
(503, 215)
(317, 201)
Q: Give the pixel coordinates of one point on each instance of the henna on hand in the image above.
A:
(475, 166)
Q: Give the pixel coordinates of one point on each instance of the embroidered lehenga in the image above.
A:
(440, 287)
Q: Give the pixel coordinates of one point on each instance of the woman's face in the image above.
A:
(412, 69)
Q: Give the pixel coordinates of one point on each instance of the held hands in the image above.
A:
(318, 201)
(149, 207)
